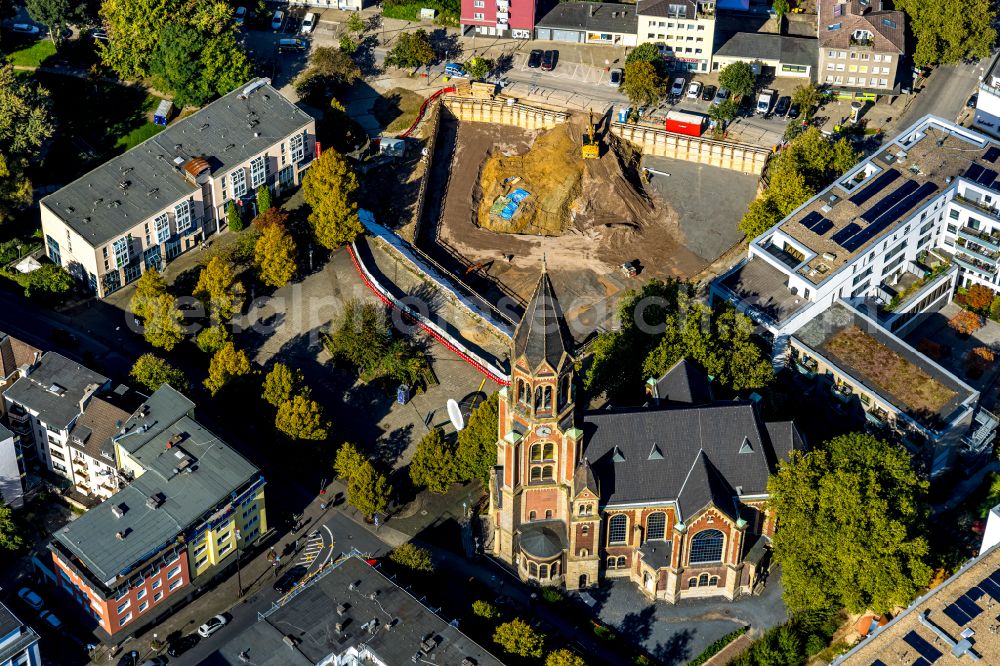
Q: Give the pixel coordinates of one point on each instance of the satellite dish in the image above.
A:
(455, 414)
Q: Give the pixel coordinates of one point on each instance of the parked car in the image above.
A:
(677, 89)
(549, 59)
(971, 103)
(212, 625)
(26, 28)
(535, 59)
(182, 645)
(155, 661)
(615, 79)
(277, 19)
(130, 658)
(781, 108)
(292, 45)
(100, 33)
(793, 111)
(708, 94)
(289, 580)
(240, 15)
(721, 96)
(694, 90)
(308, 23)
(455, 70)
(50, 619)
(30, 597)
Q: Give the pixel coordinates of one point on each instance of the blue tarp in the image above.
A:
(514, 199)
(518, 195)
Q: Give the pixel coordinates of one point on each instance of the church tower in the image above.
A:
(539, 446)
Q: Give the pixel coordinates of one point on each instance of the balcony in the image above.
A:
(989, 241)
(978, 205)
(969, 263)
(877, 417)
(977, 251)
(842, 392)
(806, 366)
(502, 6)
(862, 43)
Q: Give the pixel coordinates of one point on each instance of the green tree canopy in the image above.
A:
(647, 52)
(226, 365)
(152, 372)
(274, 256)
(26, 120)
(349, 459)
(950, 30)
(212, 338)
(478, 67)
(808, 97)
(176, 65)
(476, 453)
(56, 15)
(329, 68)
(10, 536)
(15, 189)
(280, 384)
(564, 657)
(412, 557)
(219, 290)
(518, 637)
(301, 417)
(368, 490)
(149, 287)
(363, 338)
(134, 28)
(850, 526)
(330, 189)
(780, 8)
(738, 78)
(412, 49)
(433, 463)
(233, 217)
(641, 83)
(163, 325)
(263, 196)
(484, 609)
(724, 111)
(47, 281)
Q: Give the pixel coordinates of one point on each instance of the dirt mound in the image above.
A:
(550, 189)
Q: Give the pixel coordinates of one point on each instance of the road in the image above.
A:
(945, 93)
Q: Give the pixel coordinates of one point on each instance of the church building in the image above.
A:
(670, 495)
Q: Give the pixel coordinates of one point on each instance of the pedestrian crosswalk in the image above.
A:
(312, 549)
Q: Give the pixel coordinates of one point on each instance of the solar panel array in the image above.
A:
(991, 155)
(923, 648)
(888, 202)
(965, 609)
(980, 174)
(874, 187)
(846, 233)
(884, 213)
(816, 223)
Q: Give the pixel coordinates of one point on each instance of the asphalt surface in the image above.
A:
(945, 93)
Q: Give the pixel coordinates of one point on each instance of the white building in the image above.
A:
(683, 29)
(987, 118)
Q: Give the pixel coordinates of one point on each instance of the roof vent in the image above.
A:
(616, 455)
(155, 501)
(290, 641)
(342, 608)
(655, 453)
(256, 85)
(746, 446)
(468, 661)
(178, 160)
(153, 192)
(829, 256)
(354, 585)
(119, 510)
(120, 536)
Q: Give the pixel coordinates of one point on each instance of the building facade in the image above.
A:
(987, 116)
(610, 24)
(683, 29)
(143, 208)
(18, 641)
(671, 497)
(501, 18)
(861, 46)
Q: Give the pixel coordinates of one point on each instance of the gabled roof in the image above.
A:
(100, 421)
(584, 479)
(541, 336)
(592, 16)
(13, 354)
(888, 28)
(663, 8)
(684, 383)
(704, 486)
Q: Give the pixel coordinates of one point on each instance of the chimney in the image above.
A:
(591, 9)
(120, 536)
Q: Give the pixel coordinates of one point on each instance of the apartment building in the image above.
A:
(501, 18)
(165, 196)
(987, 117)
(344, 5)
(193, 506)
(861, 46)
(14, 354)
(18, 641)
(683, 29)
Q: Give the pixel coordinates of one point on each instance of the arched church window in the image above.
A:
(703, 580)
(532, 515)
(538, 397)
(611, 562)
(520, 390)
(621, 562)
(547, 402)
(549, 451)
(656, 525)
(536, 452)
(585, 530)
(548, 514)
(713, 581)
(543, 571)
(532, 569)
(563, 391)
(536, 473)
(692, 582)
(547, 472)
(706, 546)
(554, 571)
(617, 528)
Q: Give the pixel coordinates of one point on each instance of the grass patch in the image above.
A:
(447, 10)
(31, 54)
(889, 371)
(396, 109)
(138, 135)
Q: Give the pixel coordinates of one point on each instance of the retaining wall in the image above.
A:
(472, 109)
(725, 154)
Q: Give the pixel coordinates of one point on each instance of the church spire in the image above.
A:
(542, 336)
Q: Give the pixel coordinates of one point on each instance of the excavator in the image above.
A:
(591, 148)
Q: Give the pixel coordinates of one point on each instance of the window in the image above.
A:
(170, 559)
(120, 250)
(547, 472)
(225, 549)
(656, 525)
(549, 451)
(585, 530)
(143, 606)
(706, 546)
(122, 607)
(479, 4)
(536, 473)
(173, 572)
(54, 254)
(543, 571)
(584, 552)
(156, 583)
(703, 580)
(222, 184)
(612, 561)
(713, 581)
(536, 451)
(532, 569)
(298, 145)
(140, 594)
(182, 216)
(258, 171)
(617, 528)
(162, 226)
(953, 214)
(548, 514)
(239, 179)
(532, 515)
(621, 562)
(174, 585)
(222, 538)
(125, 620)
(199, 550)
(157, 597)
(692, 582)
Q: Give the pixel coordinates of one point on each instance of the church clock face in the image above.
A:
(542, 431)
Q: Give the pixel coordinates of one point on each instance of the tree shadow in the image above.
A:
(638, 627)
(392, 445)
(676, 650)
(364, 56)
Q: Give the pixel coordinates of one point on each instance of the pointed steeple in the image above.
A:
(542, 335)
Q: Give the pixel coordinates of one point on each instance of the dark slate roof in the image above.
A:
(221, 133)
(888, 27)
(543, 538)
(684, 383)
(583, 478)
(711, 435)
(592, 16)
(656, 553)
(54, 388)
(769, 46)
(104, 416)
(310, 619)
(541, 334)
(662, 8)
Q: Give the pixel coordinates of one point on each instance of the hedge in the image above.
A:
(717, 646)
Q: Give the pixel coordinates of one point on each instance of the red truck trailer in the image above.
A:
(682, 122)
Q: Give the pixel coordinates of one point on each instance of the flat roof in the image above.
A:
(377, 615)
(192, 475)
(758, 283)
(885, 364)
(596, 16)
(127, 189)
(841, 222)
(932, 627)
(10, 625)
(770, 46)
(54, 388)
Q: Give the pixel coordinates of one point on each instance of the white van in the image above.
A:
(308, 23)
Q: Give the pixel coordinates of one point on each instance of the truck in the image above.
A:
(683, 122)
(765, 100)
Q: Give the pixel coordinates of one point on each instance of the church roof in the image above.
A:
(683, 383)
(543, 538)
(703, 486)
(541, 334)
(583, 478)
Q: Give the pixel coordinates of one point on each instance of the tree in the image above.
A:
(330, 189)
(950, 30)
(329, 67)
(15, 189)
(233, 217)
(263, 199)
(26, 120)
(301, 417)
(349, 459)
(761, 215)
(738, 78)
(485, 609)
(412, 557)
(368, 490)
(411, 50)
(10, 537)
(226, 365)
(355, 23)
(56, 14)
(270, 216)
(780, 8)
(647, 52)
(46, 281)
(348, 44)
(219, 290)
(478, 67)
(641, 83)
(134, 28)
(162, 326)
(979, 297)
(724, 111)
(564, 657)
(225, 65)
(808, 97)
(850, 515)
(152, 372)
(363, 338)
(274, 256)
(518, 637)
(433, 463)
(965, 323)
(476, 454)
(280, 384)
(212, 338)
(176, 65)
(995, 308)
(149, 287)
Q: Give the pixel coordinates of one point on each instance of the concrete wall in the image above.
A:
(499, 112)
(659, 142)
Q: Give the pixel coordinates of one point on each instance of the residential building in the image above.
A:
(501, 18)
(193, 506)
(12, 470)
(91, 442)
(671, 496)
(145, 207)
(683, 29)
(954, 624)
(606, 23)
(18, 641)
(780, 55)
(14, 355)
(348, 614)
(987, 116)
(861, 46)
